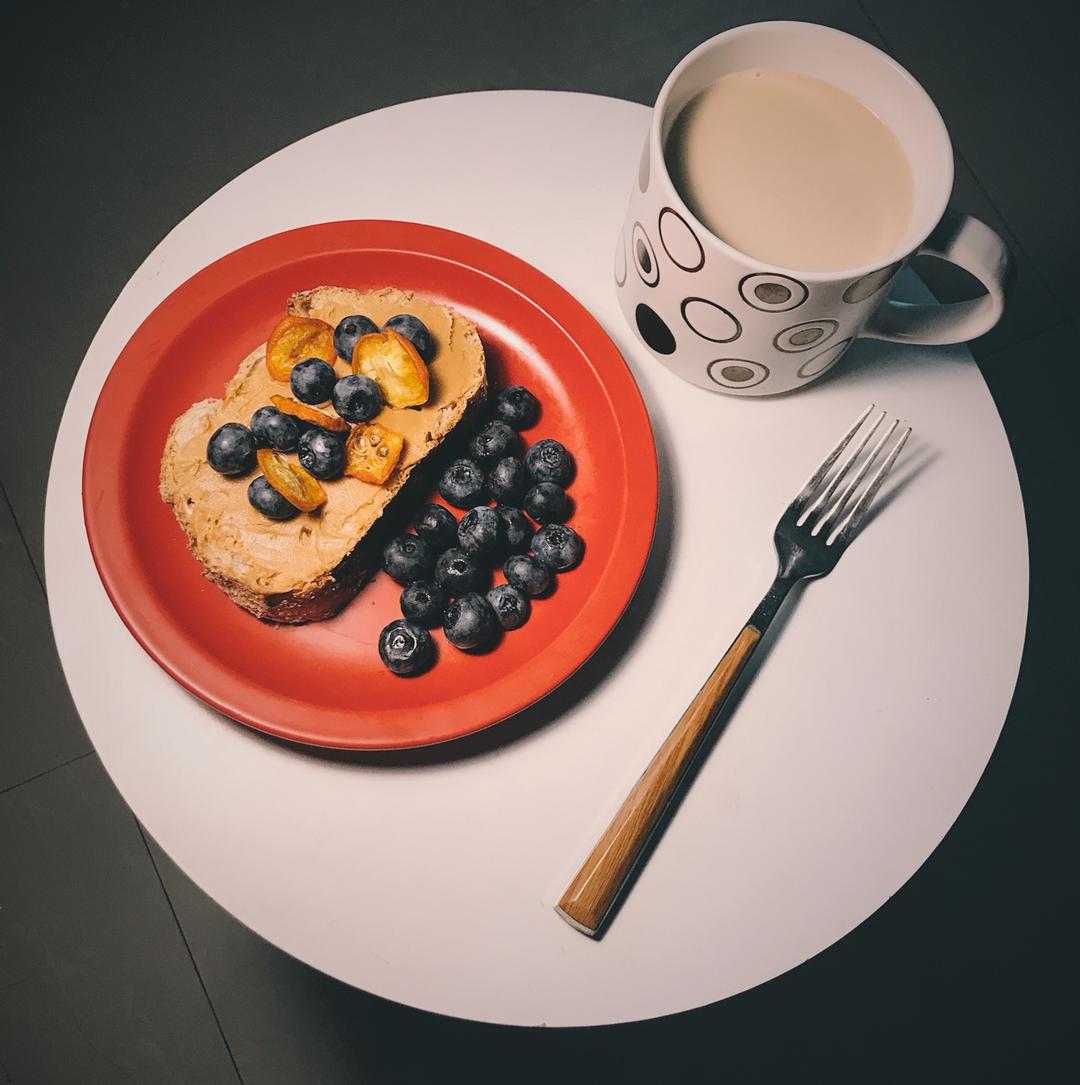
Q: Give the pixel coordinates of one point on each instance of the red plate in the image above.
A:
(323, 683)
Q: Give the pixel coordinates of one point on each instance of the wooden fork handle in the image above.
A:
(589, 896)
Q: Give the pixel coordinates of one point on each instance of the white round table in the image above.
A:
(430, 879)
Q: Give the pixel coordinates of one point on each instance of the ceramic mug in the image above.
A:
(730, 323)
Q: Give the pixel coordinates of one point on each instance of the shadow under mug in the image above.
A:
(724, 321)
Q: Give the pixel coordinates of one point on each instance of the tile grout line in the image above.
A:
(165, 893)
(41, 585)
(45, 772)
(187, 947)
(138, 825)
(22, 537)
(1030, 337)
(1013, 235)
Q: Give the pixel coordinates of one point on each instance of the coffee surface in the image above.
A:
(791, 170)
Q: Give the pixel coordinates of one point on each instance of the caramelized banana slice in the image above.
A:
(372, 452)
(309, 414)
(392, 362)
(291, 481)
(295, 338)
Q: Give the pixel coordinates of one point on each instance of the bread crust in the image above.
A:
(331, 588)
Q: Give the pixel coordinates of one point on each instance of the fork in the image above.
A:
(814, 530)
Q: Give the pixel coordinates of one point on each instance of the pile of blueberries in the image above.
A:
(321, 452)
(446, 565)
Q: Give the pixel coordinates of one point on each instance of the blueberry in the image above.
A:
(494, 442)
(470, 622)
(231, 449)
(482, 533)
(547, 503)
(557, 546)
(510, 605)
(312, 380)
(356, 398)
(548, 461)
(415, 330)
(517, 407)
(507, 480)
(349, 329)
(408, 558)
(405, 648)
(322, 453)
(519, 531)
(436, 525)
(457, 573)
(272, 429)
(527, 574)
(268, 501)
(462, 484)
(424, 603)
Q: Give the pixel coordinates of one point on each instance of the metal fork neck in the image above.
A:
(772, 601)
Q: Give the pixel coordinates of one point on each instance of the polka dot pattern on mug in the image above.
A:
(862, 288)
(737, 373)
(644, 256)
(805, 336)
(643, 168)
(655, 334)
(679, 241)
(710, 321)
(824, 360)
(620, 260)
(772, 293)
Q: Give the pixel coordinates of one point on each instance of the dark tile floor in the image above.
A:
(114, 968)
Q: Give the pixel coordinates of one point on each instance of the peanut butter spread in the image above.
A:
(235, 541)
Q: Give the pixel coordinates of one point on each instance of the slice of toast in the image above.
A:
(306, 569)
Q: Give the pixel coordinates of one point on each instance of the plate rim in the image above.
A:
(405, 237)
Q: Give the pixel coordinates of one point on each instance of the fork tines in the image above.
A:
(831, 500)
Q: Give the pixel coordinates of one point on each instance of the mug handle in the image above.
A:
(972, 245)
